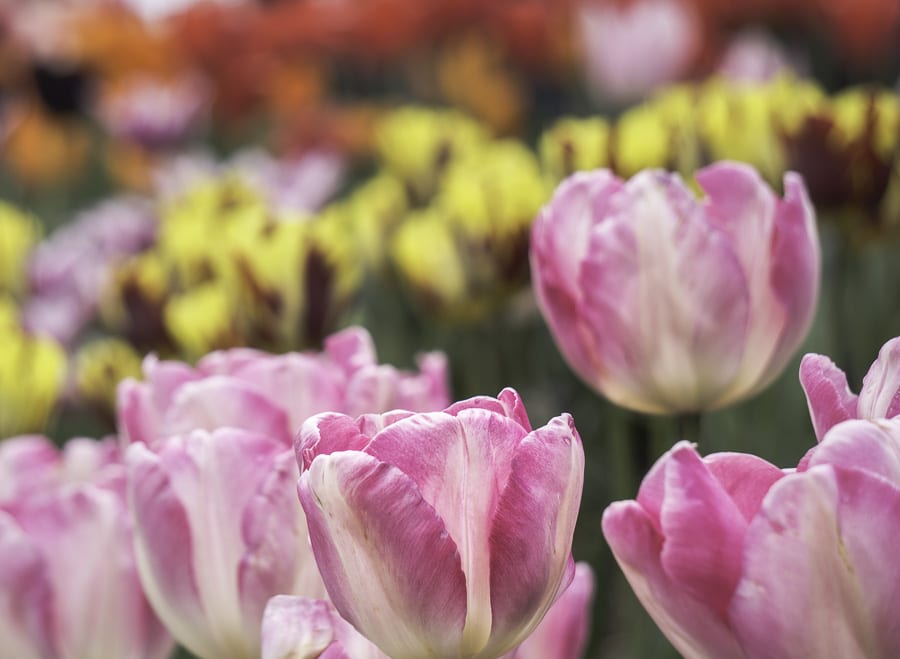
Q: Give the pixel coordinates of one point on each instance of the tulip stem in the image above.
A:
(689, 426)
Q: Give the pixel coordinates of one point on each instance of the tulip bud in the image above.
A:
(668, 304)
(457, 550)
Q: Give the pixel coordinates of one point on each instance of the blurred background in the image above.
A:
(178, 177)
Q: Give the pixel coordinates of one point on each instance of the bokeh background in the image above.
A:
(178, 177)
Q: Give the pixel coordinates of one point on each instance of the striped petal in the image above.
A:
(364, 516)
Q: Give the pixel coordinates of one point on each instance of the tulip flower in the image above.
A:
(274, 394)
(563, 633)
(69, 587)
(735, 558)
(630, 50)
(443, 534)
(668, 304)
(217, 534)
(830, 399)
(754, 57)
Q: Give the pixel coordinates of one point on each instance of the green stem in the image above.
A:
(689, 427)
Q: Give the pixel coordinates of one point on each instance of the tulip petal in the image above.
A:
(372, 388)
(745, 478)
(303, 628)
(533, 530)
(26, 596)
(743, 205)
(166, 378)
(508, 404)
(372, 424)
(670, 334)
(351, 349)
(218, 402)
(364, 516)
(118, 622)
(164, 551)
(462, 475)
(205, 479)
(327, 433)
(864, 446)
(302, 385)
(27, 463)
(696, 505)
(229, 362)
(277, 554)
(869, 516)
(880, 394)
(695, 630)
(136, 417)
(563, 632)
(429, 391)
(296, 628)
(832, 535)
(559, 243)
(828, 396)
(796, 262)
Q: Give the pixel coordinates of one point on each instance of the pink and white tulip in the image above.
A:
(563, 633)
(69, 587)
(830, 399)
(274, 394)
(735, 558)
(668, 304)
(442, 534)
(218, 532)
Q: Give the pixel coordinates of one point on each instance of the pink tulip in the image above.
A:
(754, 57)
(301, 628)
(669, 304)
(830, 399)
(630, 50)
(69, 587)
(274, 394)
(442, 534)
(563, 633)
(155, 113)
(218, 532)
(735, 558)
